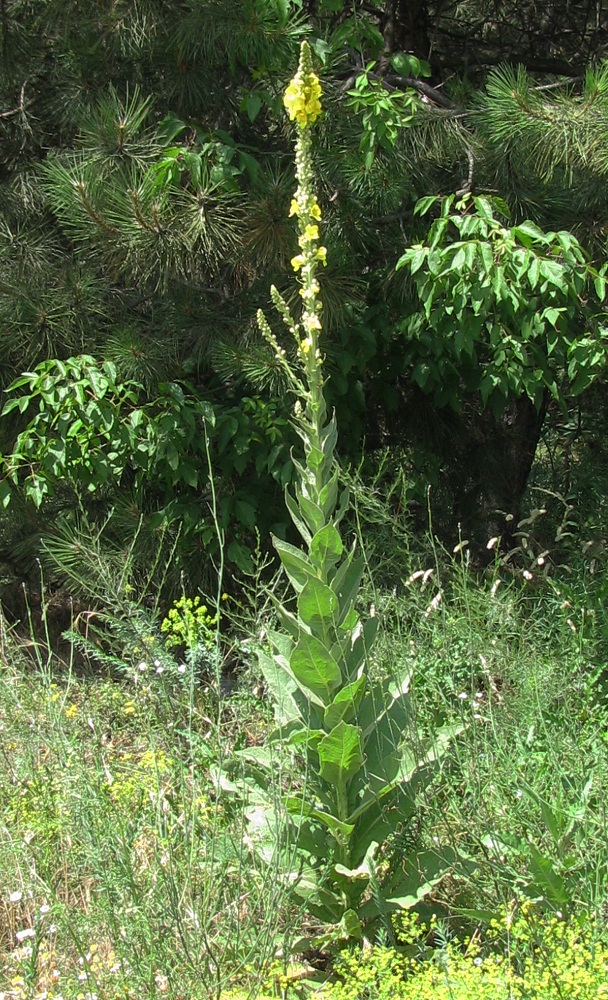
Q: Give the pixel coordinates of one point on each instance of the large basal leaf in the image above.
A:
(314, 668)
(345, 704)
(317, 604)
(387, 699)
(379, 821)
(426, 869)
(340, 754)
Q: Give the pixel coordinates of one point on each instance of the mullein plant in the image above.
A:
(339, 776)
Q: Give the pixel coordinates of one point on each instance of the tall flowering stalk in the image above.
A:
(339, 743)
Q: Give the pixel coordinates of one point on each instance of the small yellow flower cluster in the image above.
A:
(312, 209)
(303, 99)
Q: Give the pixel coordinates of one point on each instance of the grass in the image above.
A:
(125, 874)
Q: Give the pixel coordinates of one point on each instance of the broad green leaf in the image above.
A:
(387, 699)
(345, 704)
(317, 603)
(340, 754)
(426, 870)
(315, 669)
(379, 821)
(297, 565)
(528, 233)
(354, 650)
(326, 547)
(339, 830)
(311, 512)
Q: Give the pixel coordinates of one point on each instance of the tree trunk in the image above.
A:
(496, 468)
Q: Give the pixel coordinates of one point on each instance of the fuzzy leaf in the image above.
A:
(317, 603)
(326, 547)
(297, 565)
(315, 669)
(345, 704)
(340, 754)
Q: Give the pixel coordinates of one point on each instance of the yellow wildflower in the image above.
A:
(322, 255)
(302, 99)
(297, 262)
(305, 345)
(294, 208)
(311, 232)
(315, 211)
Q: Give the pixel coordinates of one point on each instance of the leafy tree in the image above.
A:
(144, 190)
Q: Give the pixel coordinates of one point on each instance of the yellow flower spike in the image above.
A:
(302, 97)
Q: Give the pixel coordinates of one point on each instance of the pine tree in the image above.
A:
(145, 181)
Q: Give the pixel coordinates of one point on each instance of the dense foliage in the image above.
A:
(145, 184)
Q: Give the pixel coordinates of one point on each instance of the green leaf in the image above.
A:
(284, 692)
(297, 565)
(317, 603)
(345, 704)
(340, 754)
(326, 547)
(424, 204)
(346, 582)
(310, 511)
(294, 513)
(529, 233)
(315, 669)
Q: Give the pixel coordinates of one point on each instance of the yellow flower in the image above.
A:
(315, 211)
(305, 345)
(294, 209)
(296, 262)
(311, 232)
(302, 99)
(322, 255)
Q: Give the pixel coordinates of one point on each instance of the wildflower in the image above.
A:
(315, 211)
(23, 935)
(294, 208)
(142, 667)
(182, 668)
(15, 897)
(303, 95)
(297, 262)
(322, 255)
(311, 321)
